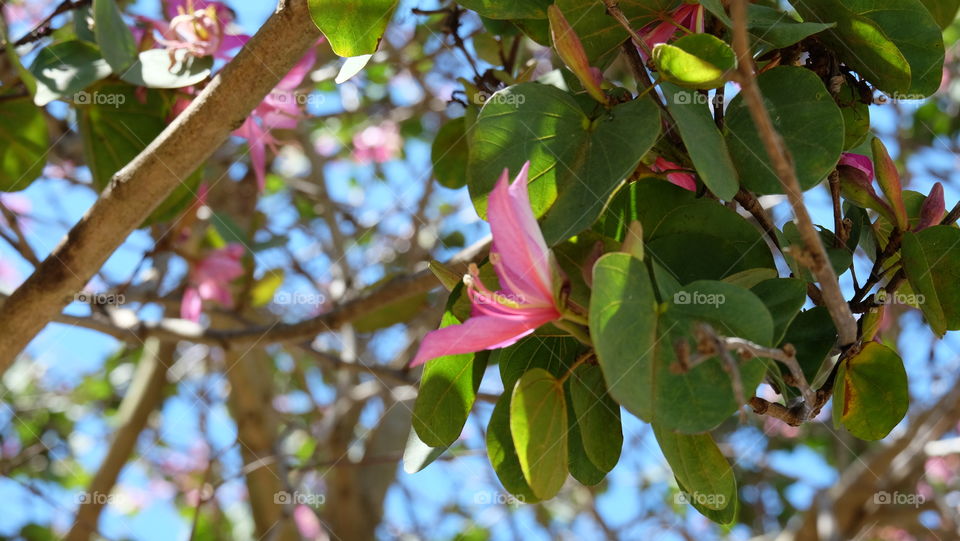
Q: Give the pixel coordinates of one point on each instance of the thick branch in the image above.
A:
(773, 144)
(146, 181)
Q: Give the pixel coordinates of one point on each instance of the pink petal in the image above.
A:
(297, 73)
(479, 333)
(524, 259)
(307, 522)
(860, 162)
(191, 304)
(685, 180)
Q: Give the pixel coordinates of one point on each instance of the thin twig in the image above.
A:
(773, 144)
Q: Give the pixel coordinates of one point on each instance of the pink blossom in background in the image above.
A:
(684, 180)
(942, 469)
(526, 269)
(308, 524)
(210, 280)
(377, 144)
(689, 16)
(63, 170)
(9, 277)
(26, 12)
(279, 110)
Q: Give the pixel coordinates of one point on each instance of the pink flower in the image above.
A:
(279, 110)
(689, 16)
(685, 180)
(526, 269)
(199, 27)
(377, 144)
(210, 280)
(859, 162)
(307, 523)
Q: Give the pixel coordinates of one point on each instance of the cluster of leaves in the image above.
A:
(591, 146)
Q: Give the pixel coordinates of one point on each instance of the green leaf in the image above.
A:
(804, 113)
(448, 389)
(597, 417)
(516, 9)
(113, 36)
(943, 11)
(700, 468)
(783, 297)
(731, 309)
(856, 116)
(581, 467)
(353, 28)
(895, 44)
(751, 277)
(576, 162)
(695, 61)
(931, 261)
(704, 142)
(874, 395)
(774, 29)
(418, 455)
(23, 143)
(538, 424)
(115, 126)
(450, 153)
(156, 69)
(623, 326)
(600, 33)
(64, 69)
(550, 353)
(503, 454)
(813, 335)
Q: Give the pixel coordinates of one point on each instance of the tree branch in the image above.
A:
(773, 144)
(144, 183)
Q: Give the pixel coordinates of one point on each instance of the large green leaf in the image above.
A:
(113, 35)
(623, 326)
(581, 467)
(448, 389)
(352, 28)
(804, 113)
(600, 33)
(418, 455)
(872, 392)
(503, 454)
(23, 143)
(597, 417)
(576, 161)
(704, 142)
(699, 466)
(636, 348)
(931, 260)
(538, 423)
(516, 9)
(64, 69)
(895, 44)
(943, 11)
